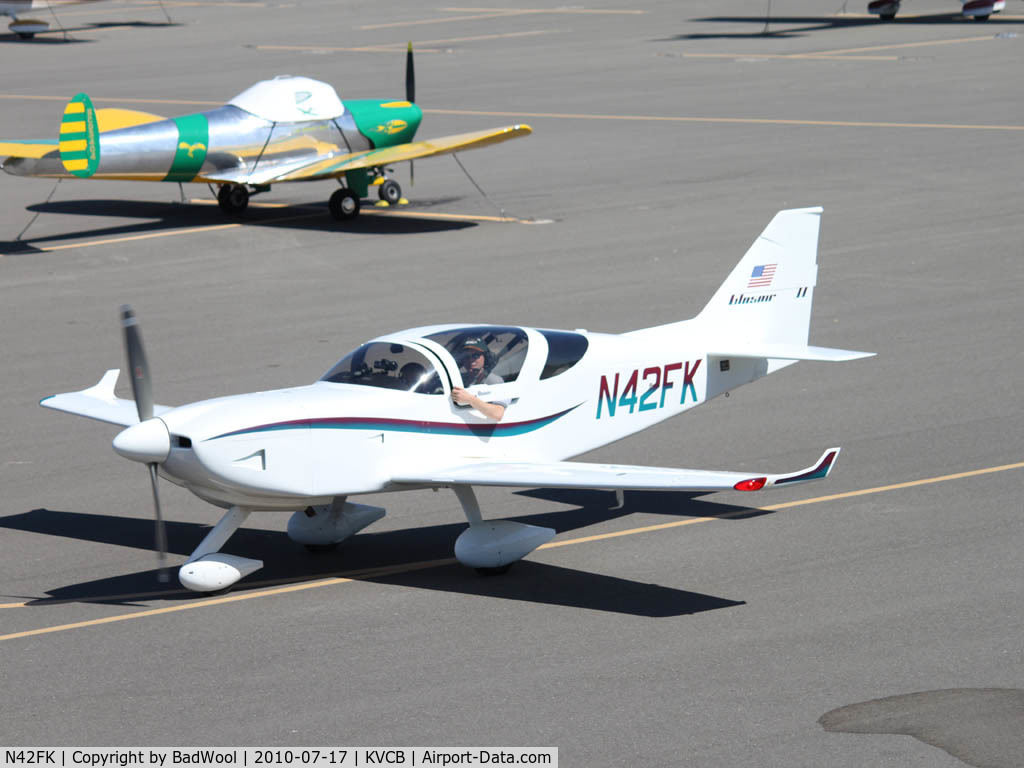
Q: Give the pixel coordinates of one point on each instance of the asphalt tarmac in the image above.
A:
(873, 619)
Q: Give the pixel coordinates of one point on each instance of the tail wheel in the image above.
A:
(344, 205)
(390, 192)
(233, 199)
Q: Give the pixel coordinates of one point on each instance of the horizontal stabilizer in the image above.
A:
(99, 402)
(28, 148)
(788, 352)
(572, 474)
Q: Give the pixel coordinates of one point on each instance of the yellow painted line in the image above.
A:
(206, 603)
(232, 225)
(896, 487)
(815, 56)
(443, 216)
(383, 48)
(842, 54)
(478, 14)
(166, 233)
(446, 19)
(728, 120)
(921, 44)
(187, 102)
(585, 11)
(371, 573)
(252, 204)
(579, 116)
(401, 47)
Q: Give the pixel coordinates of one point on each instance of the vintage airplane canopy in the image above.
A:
(288, 99)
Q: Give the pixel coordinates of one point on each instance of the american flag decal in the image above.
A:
(762, 276)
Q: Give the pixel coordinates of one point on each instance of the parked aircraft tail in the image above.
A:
(767, 297)
(80, 137)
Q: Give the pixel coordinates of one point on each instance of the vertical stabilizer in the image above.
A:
(80, 137)
(767, 297)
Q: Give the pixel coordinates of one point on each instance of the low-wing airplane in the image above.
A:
(26, 28)
(979, 9)
(384, 419)
(284, 129)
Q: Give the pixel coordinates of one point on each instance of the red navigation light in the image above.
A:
(753, 484)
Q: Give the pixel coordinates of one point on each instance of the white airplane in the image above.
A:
(384, 419)
(26, 28)
(979, 9)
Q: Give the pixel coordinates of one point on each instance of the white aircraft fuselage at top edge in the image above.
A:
(384, 419)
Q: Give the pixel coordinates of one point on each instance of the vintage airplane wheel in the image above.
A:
(344, 204)
(390, 192)
(233, 199)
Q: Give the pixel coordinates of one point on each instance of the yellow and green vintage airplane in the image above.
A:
(285, 129)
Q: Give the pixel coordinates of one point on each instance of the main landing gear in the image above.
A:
(344, 204)
(233, 199)
(489, 546)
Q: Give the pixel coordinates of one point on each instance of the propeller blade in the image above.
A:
(410, 77)
(412, 174)
(138, 368)
(161, 533)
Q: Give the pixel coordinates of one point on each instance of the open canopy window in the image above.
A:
(387, 365)
(502, 348)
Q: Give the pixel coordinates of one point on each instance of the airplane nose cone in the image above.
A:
(148, 442)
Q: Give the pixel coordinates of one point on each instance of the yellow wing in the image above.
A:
(335, 166)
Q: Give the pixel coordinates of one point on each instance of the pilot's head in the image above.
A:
(472, 359)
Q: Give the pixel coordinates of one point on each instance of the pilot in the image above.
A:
(475, 363)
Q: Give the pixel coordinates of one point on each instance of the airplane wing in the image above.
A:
(571, 474)
(99, 402)
(329, 167)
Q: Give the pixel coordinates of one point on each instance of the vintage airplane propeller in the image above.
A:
(410, 96)
(148, 441)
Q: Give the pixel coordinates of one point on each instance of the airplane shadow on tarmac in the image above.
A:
(161, 216)
(59, 35)
(382, 557)
(800, 26)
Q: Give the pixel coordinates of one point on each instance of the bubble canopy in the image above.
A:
(288, 99)
(387, 365)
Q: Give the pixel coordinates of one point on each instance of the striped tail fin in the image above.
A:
(79, 139)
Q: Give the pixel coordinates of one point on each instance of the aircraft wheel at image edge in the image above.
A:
(390, 192)
(344, 204)
(233, 199)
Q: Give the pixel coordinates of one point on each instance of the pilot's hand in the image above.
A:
(491, 410)
(462, 397)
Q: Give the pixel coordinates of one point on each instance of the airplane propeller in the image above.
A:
(148, 441)
(410, 96)
(410, 77)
